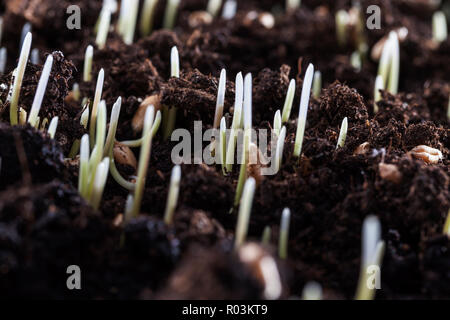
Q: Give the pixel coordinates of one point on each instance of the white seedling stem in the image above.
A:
(220, 98)
(76, 92)
(97, 97)
(288, 102)
(312, 291)
(170, 14)
(83, 178)
(34, 56)
(130, 25)
(342, 21)
(229, 9)
(101, 175)
(3, 59)
(284, 233)
(248, 102)
(237, 116)
(223, 143)
(1, 29)
(24, 53)
(213, 7)
(147, 16)
(342, 134)
(113, 122)
(172, 197)
(52, 127)
(439, 27)
(317, 84)
(171, 113)
(244, 212)
(87, 69)
(40, 91)
(84, 119)
(103, 28)
(138, 142)
(277, 122)
(394, 72)
(280, 148)
(304, 102)
(25, 30)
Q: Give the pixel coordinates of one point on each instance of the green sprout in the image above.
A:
(101, 175)
(170, 115)
(447, 225)
(280, 148)
(317, 84)
(103, 28)
(342, 134)
(97, 97)
(342, 21)
(147, 16)
(144, 159)
(52, 127)
(40, 91)
(87, 69)
(277, 122)
(244, 212)
(213, 7)
(312, 291)
(267, 234)
(292, 5)
(220, 98)
(170, 14)
(172, 197)
(439, 27)
(372, 255)
(379, 85)
(284, 234)
(304, 101)
(130, 24)
(236, 123)
(288, 102)
(3, 59)
(18, 78)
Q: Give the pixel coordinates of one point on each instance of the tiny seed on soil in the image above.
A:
(427, 154)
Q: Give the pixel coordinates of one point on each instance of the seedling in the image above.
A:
(448, 109)
(236, 123)
(447, 225)
(144, 159)
(389, 66)
(244, 212)
(379, 85)
(52, 127)
(372, 255)
(103, 28)
(171, 114)
(76, 94)
(356, 61)
(342, 21)
(130, 24)
(101, 175)
(288, 102)
(23, 116)
(147, 16)
(3, 59)
(292, 5)
(25, 30)
(284, 233)
(97, 97)
(342, 134)
(317, 84)
(20, 71)
(40, 91)
(172, 197)
(312, 291)
(138, 142)
(229, 9)
(280, 148)
(170, 14)
(304, 101)
(34, 56)
(267, 234)
(277, 123)
(213, 7)
(84, 119)
(87, 70)
(439, 27)
(223, 143)
(83, 176)
(220, 99)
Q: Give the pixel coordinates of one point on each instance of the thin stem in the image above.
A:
(288, 102)
(304, 102)
(138, 142)
(40, 91)
(312, 291)
(76, 92)
(280, 148)
(34, 56)
(87, 69)
(170, 14)
(213, 7)
(83, 176)
(172, 197)
(101, 175)
(394, 73)
(284, 234)
(97, 97)
(24, 53)
(220, 98)
(52, 127)
(355, 61)
(84, 119)
(267, 234)
(342, 21)
(172, 112)
(317, 84)
(113, 122)
(3, 59)
(342, 134)
(103, 28)
(244, 212)
(130, 24)
(238, 104)
(277, 122)
(439, 27)
(147, 16)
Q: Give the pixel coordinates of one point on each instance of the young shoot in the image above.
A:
(244, 212)
(40, 91)
(372, 255)
(34, 56)
(20, 71)
(101, 175)
(292, 5)
(130, 24)
(97, 97)
(83, 176)
(277, 123)
(342, 134)
(138, 142)
(52, 127)
(288, 102)
(76, 94)
(87, 69)
(25, 30)
(223, 143)
(304, 102)
(213, 7)
(317, 84)
(280, 148)
(439, 27)
(170, 14)
(144, 158)
(267, 234)
(312, 291)
(3, 59)
(172, 197)
(229, 9)
(220, 98)
(23, 116)
(84, 119)
(342, 21)
(171, 113)
(147, 16)
(103, 28)
(389, 66)
(284, 234)
(355, 61)
(379, 85)
(448, 109)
